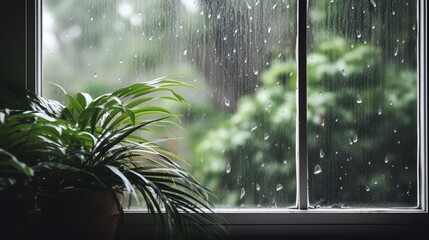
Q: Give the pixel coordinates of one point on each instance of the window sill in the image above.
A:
(303, 224)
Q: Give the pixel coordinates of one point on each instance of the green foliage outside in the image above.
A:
(361, 94)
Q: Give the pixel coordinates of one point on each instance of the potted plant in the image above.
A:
(88, 154)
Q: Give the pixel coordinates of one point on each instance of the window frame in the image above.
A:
(21, 69)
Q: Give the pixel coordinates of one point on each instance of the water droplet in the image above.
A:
(406, 167)
(322, 123)
(358, 99)
(228, 168)
(386, 160)
(258, 188)
(242, 193)
(266, 136)
(393, 12)
(395, 53)
(367, 188)
(269, 29)
(262, 165)
(350, 141)
(257, 2)
(274, 6)
(414, 27)
(375, 182)
(185, 52)
(218, 16)
(95, 75)
(284, 161)
(390, 103)
(358, 34)
(91, 19)
(254, 128)
(373, 3)
(394, 130)
(317, 169)
(321, 154)
(248, 6)
(224, 38)
(279, 187)
(331, 1)
(255, 71)
(379, 111)
(343, 72)
(373, 27)
(355, 138)
(227, 102)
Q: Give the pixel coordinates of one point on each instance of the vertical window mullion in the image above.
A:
(301, 134)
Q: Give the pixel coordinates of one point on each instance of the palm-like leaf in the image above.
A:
(96, 138)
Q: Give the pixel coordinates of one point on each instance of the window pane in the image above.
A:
(240, 137)
(362, 103)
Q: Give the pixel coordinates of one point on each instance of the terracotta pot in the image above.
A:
(78, 214)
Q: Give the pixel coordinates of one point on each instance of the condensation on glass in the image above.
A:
(362, 103)
(240, 128)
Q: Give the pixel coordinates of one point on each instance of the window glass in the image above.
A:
(240, 128)
(362, 103)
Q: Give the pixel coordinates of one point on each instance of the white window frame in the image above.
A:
(21, 69)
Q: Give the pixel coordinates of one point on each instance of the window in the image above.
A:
(352, 108)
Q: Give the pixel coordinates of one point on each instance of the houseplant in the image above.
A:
(109, 143)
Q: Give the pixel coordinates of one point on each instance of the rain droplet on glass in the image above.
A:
(322, 123)
(367, 188)
(373, 3)
(321, 153)
(254, 128)
(266, 136)
(242, 193)
(386, 160)
(350, 141)
(379, 111)
(317, 169)
(274, 6)
(255, 71)
(355, 138)
(358, 34)
(258, 188)
(284, 161)
(248, 6)
(395, 53)
(95, 75)
(185, 52)
(269, 29)
(279, 187)
(228, 168)
(358, 99)
(227, 102)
